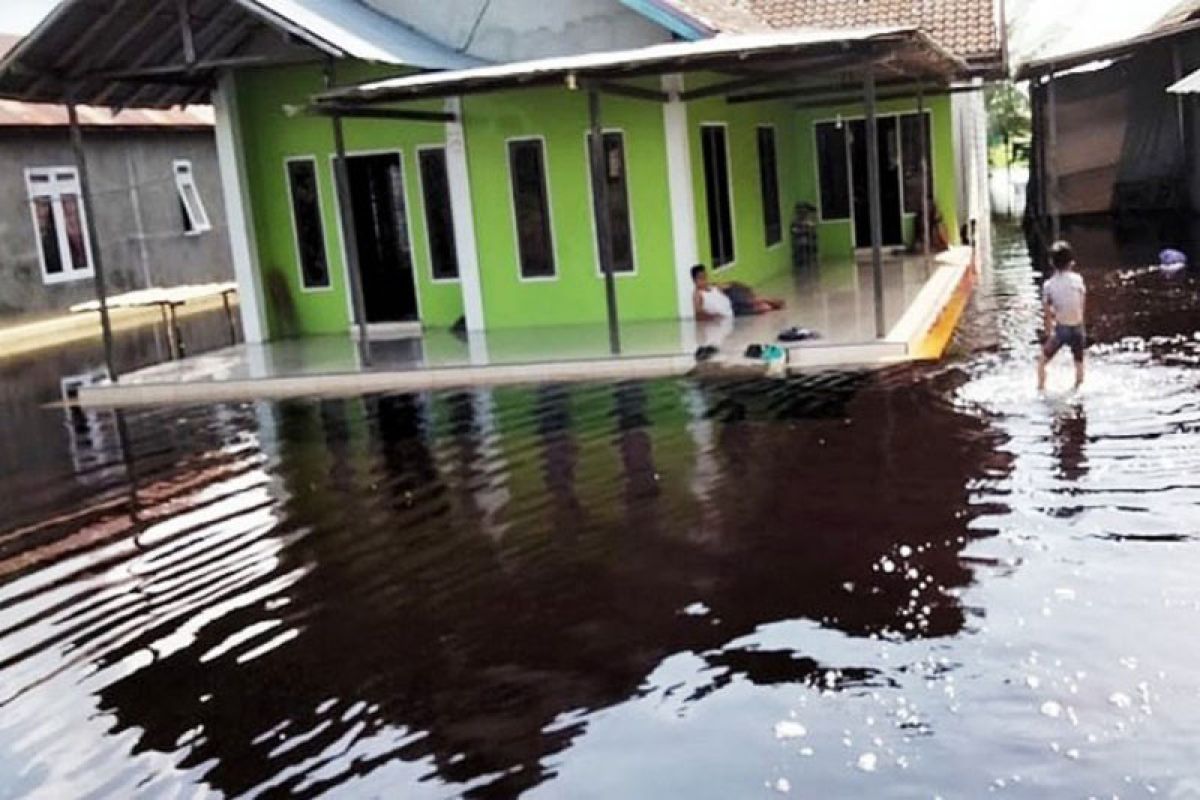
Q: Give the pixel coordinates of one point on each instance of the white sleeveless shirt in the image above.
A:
(715, 302)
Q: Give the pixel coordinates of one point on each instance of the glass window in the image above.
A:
(910, 149)
(833, 167)
(191, 207)
(717, 194)
(618, 200)
(306, 220)
(60, 224)
(535, 243)
(439, 219)
(768, 172)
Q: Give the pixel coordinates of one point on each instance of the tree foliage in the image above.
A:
(1008, 113)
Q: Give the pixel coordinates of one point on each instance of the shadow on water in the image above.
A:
(608, 590)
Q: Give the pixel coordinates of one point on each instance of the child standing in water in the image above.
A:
(1064, 304)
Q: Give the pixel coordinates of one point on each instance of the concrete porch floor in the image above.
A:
(836, 300)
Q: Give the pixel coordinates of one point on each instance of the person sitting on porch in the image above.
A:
(721, 300)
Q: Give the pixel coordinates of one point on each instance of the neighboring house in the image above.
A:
(1107, 137)
(160, 214)
(482, 208)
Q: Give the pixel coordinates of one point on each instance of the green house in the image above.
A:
(469, 192)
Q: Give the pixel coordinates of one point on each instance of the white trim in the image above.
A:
(773, 128)
(239, 210)
(462, 207)
(287, 178)
(399, 154)
(53, 184)
(682, 193)
(512, 202)
(197, 216)
(713, 268)
(587, 153)
(425, 210)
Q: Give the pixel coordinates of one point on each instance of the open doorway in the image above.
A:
(381, 232)
(888, 156)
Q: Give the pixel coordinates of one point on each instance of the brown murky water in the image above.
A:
(925, 582)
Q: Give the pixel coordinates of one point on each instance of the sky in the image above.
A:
(1036, 27)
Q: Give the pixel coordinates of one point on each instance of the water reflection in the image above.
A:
(486, 593)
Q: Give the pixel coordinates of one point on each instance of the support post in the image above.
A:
(341, 173)
(876, 204)
(926, 222)
(85, 190)
(1052, 160)
(600, 204)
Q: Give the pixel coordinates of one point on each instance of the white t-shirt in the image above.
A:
(1065, 293)
(715, 302)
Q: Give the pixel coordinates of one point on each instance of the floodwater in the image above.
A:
(917, 583)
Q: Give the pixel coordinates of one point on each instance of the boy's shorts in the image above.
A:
(1072, 336)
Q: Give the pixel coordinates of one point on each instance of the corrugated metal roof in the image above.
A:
(88, 49)
(926, 57)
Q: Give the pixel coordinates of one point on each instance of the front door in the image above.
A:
(888, 157)
(381, 231)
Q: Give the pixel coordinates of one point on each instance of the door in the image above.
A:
(888, 157)
(381, 231)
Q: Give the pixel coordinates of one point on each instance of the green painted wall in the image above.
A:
(576, 293)
(753, 259)
(837, 238)
(270, 137)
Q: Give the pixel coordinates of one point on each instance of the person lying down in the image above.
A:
(722, 300)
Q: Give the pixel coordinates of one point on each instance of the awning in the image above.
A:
(136, 53)
(800, 55)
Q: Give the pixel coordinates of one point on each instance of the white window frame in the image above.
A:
(587, 154)
(59, 182)
(425, 211)
(197, 216)
(287, 182)
(770, 126)
(512, 206)
(733, 218)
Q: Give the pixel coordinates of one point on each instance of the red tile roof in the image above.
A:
(967, 28)
(14, 114)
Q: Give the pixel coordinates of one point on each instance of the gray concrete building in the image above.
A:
(159, 214)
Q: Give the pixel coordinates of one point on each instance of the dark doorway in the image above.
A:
(381, 231)
(889, 182)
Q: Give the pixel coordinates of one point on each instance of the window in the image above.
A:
(618, 200)
(60, 223)
(768, 172)
(306, 220)
(439, 217)
(191, 207)
(910, 150)
(531, 207)
(833, 167)
(717, 193)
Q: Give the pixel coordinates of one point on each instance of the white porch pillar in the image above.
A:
(679, 181)
(238, 210)
(462, 212)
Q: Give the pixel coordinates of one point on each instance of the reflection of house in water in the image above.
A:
(428, 635)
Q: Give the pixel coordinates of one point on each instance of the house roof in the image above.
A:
(909, 52)
(130, 53)
(1069, 61)
(15, 114)
(967, 28)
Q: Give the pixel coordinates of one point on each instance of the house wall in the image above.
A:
(753, 258)
(837, 237)
(576, 294)
(516, 30)
(270, 137)
(121, 163)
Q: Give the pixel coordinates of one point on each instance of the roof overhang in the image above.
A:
(800, 56)
(1053, 65)
(149, 54)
